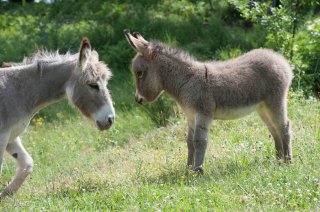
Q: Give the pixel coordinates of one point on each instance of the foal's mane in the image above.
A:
(172, 52)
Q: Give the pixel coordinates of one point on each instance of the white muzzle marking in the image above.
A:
(105, 117)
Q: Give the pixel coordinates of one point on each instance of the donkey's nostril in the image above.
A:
(110, 120)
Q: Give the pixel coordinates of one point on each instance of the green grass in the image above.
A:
(137, 166)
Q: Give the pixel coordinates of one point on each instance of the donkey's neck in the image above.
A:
(46, 84)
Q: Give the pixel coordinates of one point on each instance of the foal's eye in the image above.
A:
(139, 74)
(94, 86)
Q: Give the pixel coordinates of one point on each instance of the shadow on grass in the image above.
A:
(219, 170)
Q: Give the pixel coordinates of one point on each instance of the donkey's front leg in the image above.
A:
(4, 138)
(24, 164)
(200, 141)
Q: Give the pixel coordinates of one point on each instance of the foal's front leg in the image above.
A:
(200, 141)
(24, 166)
(190, 147)
(191, 126)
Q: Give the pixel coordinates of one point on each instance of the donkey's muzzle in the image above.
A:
(105, 125)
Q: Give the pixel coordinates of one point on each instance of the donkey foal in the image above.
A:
(42, 80)
(256, 81)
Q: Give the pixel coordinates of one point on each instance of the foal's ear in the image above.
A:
(84, 53)
(138, 42)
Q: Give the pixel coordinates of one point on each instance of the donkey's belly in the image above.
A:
(19, 128)
(227, 113)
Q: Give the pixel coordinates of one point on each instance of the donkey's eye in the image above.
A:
(94, 86)
(139, 74)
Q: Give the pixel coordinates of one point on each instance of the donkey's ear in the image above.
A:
(84, 53)
(94, 55)
(138, 42)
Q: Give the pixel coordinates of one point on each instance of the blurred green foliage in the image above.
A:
(293, 28)
(211, 29)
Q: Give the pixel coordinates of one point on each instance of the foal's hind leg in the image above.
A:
(284, 128)
(278, 115)
(265, 116)
(24, 166)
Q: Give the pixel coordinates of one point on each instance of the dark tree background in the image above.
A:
(208, 29)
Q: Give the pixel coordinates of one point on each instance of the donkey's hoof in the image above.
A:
(199, 170)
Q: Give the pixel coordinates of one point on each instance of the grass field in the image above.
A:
(137, 166)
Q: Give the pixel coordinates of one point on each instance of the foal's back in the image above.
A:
(254, 77)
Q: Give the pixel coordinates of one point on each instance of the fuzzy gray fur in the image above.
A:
(41, 80)
(256, 81)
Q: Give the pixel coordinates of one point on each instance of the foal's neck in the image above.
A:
(47, 84)
(175, 74)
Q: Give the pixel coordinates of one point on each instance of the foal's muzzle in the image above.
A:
(139, 99)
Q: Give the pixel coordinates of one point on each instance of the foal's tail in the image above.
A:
(287, 69)
(283, 67)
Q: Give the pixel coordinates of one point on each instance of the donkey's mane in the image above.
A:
(172, 52)
(45, 56)
(42, 57)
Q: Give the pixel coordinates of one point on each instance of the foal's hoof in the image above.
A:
(285, 159)
(288, 160)
(2, 196)
(189, 167)
(198, 170)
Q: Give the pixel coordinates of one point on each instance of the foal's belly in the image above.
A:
(227, 113)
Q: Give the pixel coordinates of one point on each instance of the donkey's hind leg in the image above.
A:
(24, 164)
(265, 116)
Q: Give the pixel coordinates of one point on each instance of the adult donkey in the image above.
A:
(256, 81)
(42, 80)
